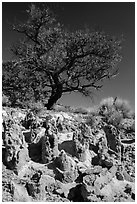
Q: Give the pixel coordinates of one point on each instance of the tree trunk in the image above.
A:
(55, 95)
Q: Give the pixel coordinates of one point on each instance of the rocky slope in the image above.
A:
(58, 156)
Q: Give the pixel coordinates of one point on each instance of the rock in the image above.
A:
(68, 147)
(65, 162)
(46, 184)
(29, 120)
(81, 141)
(119, 176)
(16, 154)
(34, 135)
(94, 170)
(89, 192)
(64, 189)
(50, 143)
(75, 194)
(63, 137)
(127, 177)
(66, 167)
(106, 163)
(114, 189)
(20, 193)
(103, 180)
(89, 179)
(27, 135)
(113, 138)
(58, 157)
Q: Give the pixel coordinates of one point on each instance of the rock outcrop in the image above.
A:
(57, 156)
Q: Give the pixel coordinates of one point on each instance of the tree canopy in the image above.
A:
(50, 60)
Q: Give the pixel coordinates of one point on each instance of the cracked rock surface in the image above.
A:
(59, 157)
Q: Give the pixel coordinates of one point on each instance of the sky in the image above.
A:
(115, 18)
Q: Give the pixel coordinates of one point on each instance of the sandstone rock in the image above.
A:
(81, 141)
(65, 162)
(50, 142)
(94, 170)
(20, 193)
(62, 137)
(38, 134)
(103, 180)
(115, 189)
(66, 168)
(64, 189)
(89, 192)
(68, 146)
(119, 176)
(68, 158)
(113, 138)
(16, 149)
(46, 184)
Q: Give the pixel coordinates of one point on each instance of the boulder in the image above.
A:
(19, 192)
(16, 154)
(64, 189)
(66, 167)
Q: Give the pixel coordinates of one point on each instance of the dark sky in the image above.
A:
(115, 18)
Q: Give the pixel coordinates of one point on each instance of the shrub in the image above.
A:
(61, 108)
(80, 111)
(123, 107)
(93, 111)
(114, 110)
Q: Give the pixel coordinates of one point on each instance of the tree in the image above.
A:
(51, 60)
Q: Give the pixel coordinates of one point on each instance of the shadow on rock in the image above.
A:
(35, 152)
(68, 146)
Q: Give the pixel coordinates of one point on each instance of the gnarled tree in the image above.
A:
(51, 61)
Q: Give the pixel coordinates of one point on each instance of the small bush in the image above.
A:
(34, 106)
(93, 121)
(115, 110)
(123, 107)
(80, 111)
(61, 108)
(93, 111)
(115, 118)
(106, 107)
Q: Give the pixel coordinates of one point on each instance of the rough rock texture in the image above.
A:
(16, 151)
(59, 157)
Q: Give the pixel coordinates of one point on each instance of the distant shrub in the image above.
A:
(34, 106)
(124, 108)
(92, 121)
(115, 118)
(62, 108)
(128, 124)
(106, 107)
(80, 111)
(114, 110)
(37, 106)
(93, 111)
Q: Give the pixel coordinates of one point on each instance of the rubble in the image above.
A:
(56, 156)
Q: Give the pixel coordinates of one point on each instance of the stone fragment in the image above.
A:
(20, 193)
(50, 142)
(66, 167)
(64, 189)
(81, 140)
